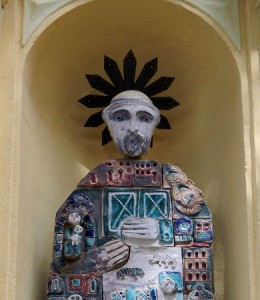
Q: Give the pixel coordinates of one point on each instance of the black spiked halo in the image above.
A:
(124, 82)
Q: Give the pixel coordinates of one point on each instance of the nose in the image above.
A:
(132, 129)
(133, 125)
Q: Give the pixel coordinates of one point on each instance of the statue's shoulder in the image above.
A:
(188, 199)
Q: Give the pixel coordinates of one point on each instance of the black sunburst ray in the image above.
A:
(126, 82)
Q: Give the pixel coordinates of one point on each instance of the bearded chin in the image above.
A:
(134, 144)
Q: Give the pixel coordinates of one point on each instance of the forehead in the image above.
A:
(73, 214)
(132, 108)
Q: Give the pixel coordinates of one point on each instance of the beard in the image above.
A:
(134, 145)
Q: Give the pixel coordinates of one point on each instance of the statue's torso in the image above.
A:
(160, 217)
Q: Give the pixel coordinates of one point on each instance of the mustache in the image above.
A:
(133, 143)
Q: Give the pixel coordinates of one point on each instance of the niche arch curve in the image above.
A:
(57, 151)
(54, 16)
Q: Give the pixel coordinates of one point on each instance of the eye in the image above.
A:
(198, 226)
(120, 116)
(145, 117)
(206, 226)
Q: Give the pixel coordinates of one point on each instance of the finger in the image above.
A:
(131, 219)
(118, 259)
(105, 256)
(131, 226)
(136, 231)
(136, 222)
(117, 252)
(134, 235)
(112, 242)
(115, 265)
(115, 246)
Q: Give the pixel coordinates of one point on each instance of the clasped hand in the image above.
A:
(140, 228)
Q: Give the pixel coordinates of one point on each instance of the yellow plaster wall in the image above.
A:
(207, 141)
(253, 53)
(9, 146)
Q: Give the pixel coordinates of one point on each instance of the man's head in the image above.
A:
(131, 118)
(168, 286)
(74, 218)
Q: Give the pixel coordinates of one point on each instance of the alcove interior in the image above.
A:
(206, 139)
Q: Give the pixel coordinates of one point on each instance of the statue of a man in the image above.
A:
(133, 229)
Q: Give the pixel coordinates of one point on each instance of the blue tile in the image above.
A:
(166, 231)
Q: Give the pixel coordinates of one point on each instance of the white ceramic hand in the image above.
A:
(111, 255)
(141, 228)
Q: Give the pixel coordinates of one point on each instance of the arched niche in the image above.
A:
(206, 140)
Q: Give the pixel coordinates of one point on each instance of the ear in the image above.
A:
(105, 114)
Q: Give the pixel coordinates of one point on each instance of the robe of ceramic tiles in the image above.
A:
(141, 230)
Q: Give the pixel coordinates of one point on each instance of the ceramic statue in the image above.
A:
(133, 229)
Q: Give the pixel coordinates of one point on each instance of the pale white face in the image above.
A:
(168, 286)
(131, 127)
(74, 219)
(78, 229)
